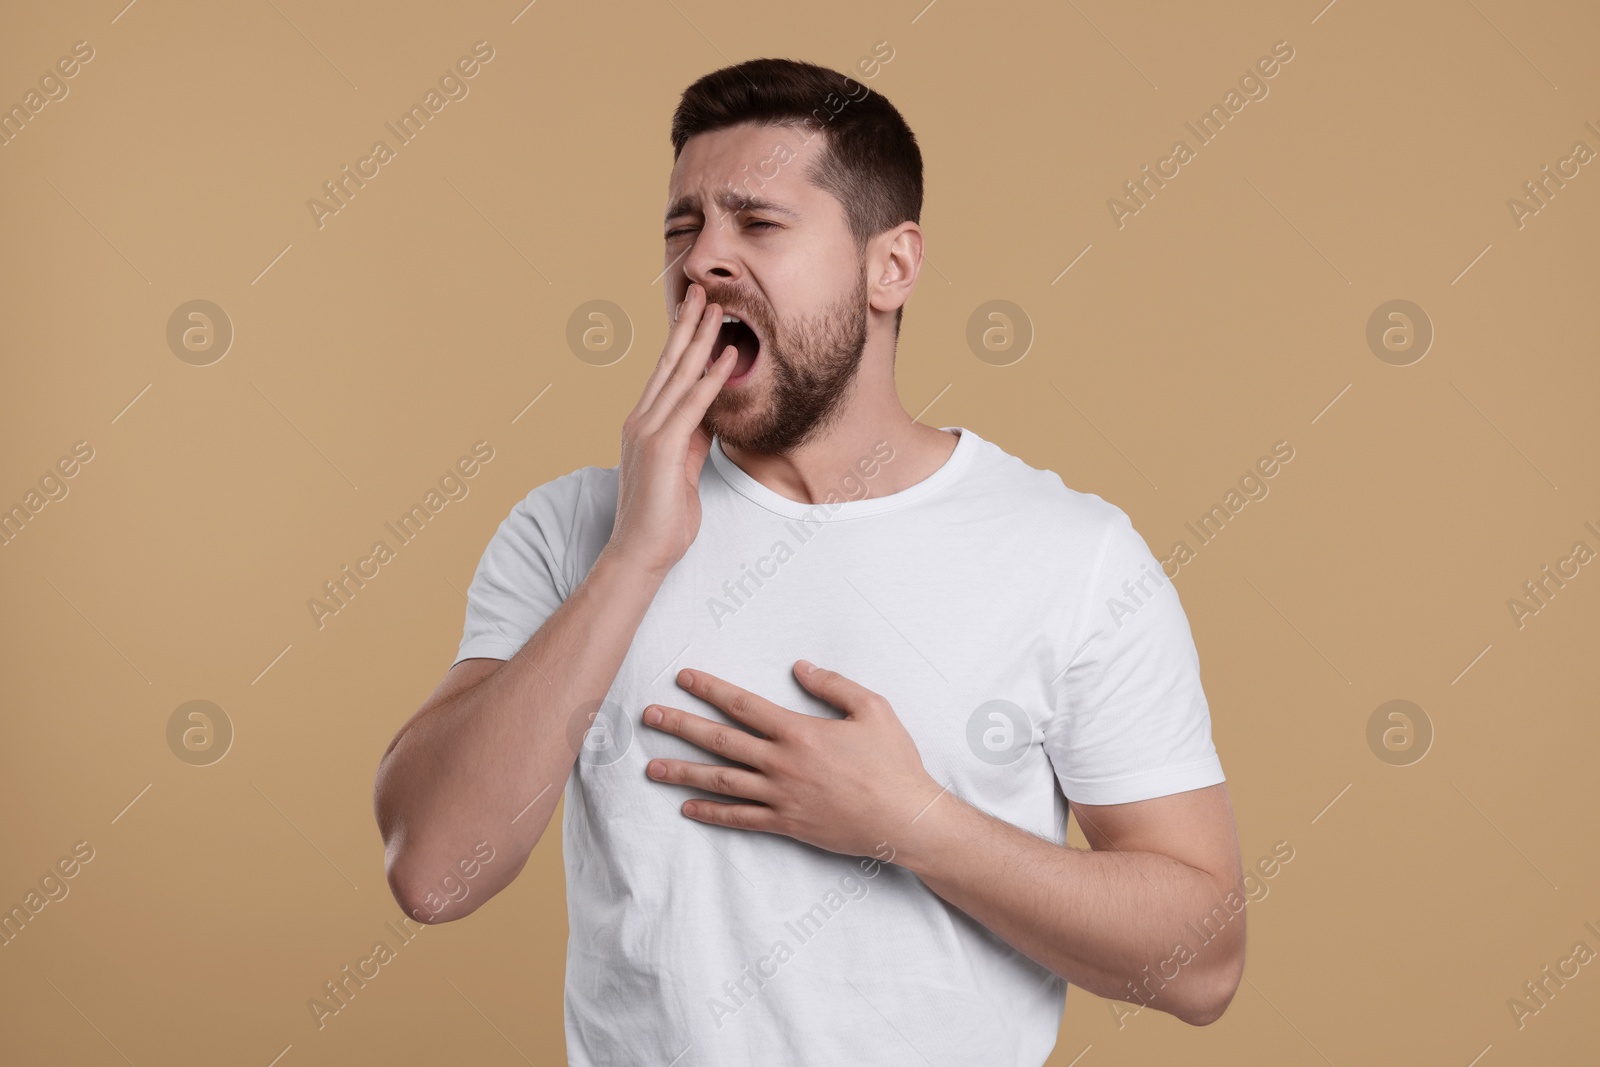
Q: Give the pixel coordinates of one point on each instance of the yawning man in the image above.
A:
(820, 683)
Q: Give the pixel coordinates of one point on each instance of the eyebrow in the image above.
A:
(730, 199)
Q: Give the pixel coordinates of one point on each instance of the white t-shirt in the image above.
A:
(1024, 634)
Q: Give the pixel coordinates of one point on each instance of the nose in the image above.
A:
(711, 260)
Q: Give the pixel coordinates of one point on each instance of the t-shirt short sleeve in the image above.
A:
(522, 576)
(1131, 720)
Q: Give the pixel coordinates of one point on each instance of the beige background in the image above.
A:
(1230, 313)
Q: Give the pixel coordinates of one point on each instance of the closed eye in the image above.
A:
(753, 222)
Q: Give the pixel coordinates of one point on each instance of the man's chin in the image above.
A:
(732, 430)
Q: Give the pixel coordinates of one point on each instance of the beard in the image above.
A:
(811, 368)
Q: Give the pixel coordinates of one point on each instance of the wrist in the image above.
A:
(613, 559)
(927, 830)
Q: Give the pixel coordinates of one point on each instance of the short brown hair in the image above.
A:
(869, 161)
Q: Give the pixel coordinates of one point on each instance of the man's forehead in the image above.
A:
(729, 200)
(745, 167)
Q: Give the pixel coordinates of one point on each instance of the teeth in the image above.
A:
(731, 318)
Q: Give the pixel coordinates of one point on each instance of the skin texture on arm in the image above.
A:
(1107, 918)
(483, 763)
(495, 737)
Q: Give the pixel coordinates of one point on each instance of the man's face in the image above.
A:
(776, 252)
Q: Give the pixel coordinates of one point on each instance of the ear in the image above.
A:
(894, 261)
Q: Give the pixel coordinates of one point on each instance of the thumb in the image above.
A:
(852, 698)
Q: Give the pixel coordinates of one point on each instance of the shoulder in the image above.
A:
(575, 489)
(1072, 541)
(566, 514)
(554, 532)
(1041, 496)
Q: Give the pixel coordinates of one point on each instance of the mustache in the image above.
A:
(733, 304)
(752, 312)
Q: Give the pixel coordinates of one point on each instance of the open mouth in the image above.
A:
(735, 331)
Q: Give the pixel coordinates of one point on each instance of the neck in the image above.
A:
(847, 458)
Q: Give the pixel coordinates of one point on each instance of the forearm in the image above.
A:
(491, 762)
(1111, 922)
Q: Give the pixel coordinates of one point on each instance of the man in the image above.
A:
(863, 863)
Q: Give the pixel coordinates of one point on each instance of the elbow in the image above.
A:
(404, 886)
(410, 890)
(417, 894)
(419, 902)
(1206, 1014)
(429, 896)
(432, 875)
(1219, 994)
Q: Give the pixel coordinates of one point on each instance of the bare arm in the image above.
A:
(497, 736)
(1152, 911)
(466, 788)
(1159, 874)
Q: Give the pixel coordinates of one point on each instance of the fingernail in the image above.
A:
(652, 715)
(657, 768)
(806, 666)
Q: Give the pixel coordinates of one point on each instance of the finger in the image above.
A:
(686, 370)
(741, 704)
(736, 816)
(693, 363)
(852, 698)
(694, 460)
(691, 411)
(730, 742)
(729, 781)
(694, 406)
(678, 335)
